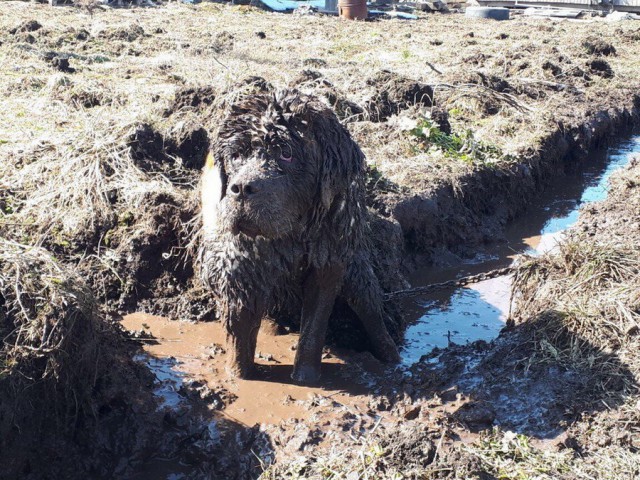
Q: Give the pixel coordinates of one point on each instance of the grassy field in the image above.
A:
(107, 115)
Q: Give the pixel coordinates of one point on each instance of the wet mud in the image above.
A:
(455, 374)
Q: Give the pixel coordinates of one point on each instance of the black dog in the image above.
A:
(284, 219)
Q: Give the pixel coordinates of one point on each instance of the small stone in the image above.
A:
(412, 412)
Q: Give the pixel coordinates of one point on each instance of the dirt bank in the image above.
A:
(65, 373)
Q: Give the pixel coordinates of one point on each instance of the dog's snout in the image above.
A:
(243, 190)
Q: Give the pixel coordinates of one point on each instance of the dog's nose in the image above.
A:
(243, 190)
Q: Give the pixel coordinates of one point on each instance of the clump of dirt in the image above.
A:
(308, 77)
(148, 148)
(440, 117)
(190, 141)
(601, 68)
(61, 365)
(486, 99)
(222, 43)
(393, 93)
(405, 448)
(81, 95)
(81, 34)
(28, 26)
(552, 68)
(250, 86)
(191, 98)
(313, 82)
(71, 36)
(129, 33)
(410, 448)
(599, 46)
(48, 313)
(314, 62)
(88, 98)
(494, 82)
(62, 64)
(153, 151)
(24, 37)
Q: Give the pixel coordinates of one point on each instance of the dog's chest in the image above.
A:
(256, 265)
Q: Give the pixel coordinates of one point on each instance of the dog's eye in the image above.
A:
(282, 153)
(286, 155)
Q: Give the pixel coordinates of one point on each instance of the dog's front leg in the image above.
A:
(242, 324)
(320, 290)
(364, 295)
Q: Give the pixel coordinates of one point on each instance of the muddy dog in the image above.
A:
(284, 219)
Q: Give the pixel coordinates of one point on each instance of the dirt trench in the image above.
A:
(460, 221)
(501, 393)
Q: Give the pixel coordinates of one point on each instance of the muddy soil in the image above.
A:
(462, 123)
(435, 417)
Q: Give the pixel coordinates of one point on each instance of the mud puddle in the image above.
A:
(180, 352)
(479, 311)
(188, 360)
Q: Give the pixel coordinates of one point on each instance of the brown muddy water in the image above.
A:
(180, 353)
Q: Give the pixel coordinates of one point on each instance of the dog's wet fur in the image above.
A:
(284, 220)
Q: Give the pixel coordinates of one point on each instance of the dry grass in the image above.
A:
(581, 305)
(50, 330)
(394, 452)
(364, 461)
(64, 187)
(595, 286)
(507, 455)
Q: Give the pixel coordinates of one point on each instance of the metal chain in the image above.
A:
(459, 282)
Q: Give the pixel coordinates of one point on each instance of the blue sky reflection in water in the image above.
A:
(478, 311)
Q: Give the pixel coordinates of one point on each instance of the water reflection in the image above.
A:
(470, 314)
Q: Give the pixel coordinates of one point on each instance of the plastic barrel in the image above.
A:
(352, 9)
(331, 5)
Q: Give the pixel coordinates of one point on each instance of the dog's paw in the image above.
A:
(243, 372)
(306, 375)
(388, 353)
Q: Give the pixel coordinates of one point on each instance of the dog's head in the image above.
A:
(281, 161)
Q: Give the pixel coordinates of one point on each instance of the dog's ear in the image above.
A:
(213, 189)
(342, 159)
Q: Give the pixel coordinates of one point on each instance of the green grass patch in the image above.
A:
(461, 146)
